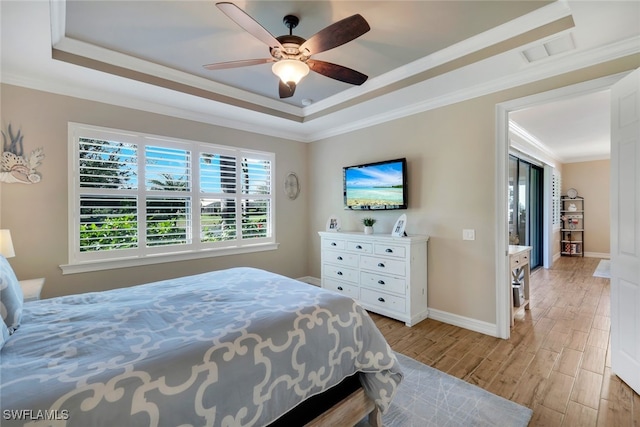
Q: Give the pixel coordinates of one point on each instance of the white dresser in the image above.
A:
(385, 274)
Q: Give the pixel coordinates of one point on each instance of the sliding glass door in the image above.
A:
(525, 207)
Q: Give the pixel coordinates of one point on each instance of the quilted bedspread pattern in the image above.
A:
(225, 348)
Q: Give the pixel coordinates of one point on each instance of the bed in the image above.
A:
(234, 347)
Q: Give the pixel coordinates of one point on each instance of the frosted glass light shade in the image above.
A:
(290, 70)
(6, 244)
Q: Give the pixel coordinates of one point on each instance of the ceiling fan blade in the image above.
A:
(286, 90)
(335, 35)
(337, 72)
(249, 24)
(235, 64)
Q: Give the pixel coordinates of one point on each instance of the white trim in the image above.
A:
(404, 102)
(464, 322)
(525, 143)
(547, 215)
(503, 308)
(85, 267)
(503, 298)
(535, 73)
(98, 260)
(532, 20)
(597, 255)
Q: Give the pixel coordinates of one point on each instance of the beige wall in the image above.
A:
(452, 160)
(451, 156)
(592, 179)
(37, 214)
(451, 182)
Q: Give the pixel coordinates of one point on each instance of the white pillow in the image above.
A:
(11, 297)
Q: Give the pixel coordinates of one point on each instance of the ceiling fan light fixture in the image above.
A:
(290, 70)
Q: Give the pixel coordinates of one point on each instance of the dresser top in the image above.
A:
(411, 238)
(515, 249)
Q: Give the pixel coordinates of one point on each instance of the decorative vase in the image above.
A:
(368, 229)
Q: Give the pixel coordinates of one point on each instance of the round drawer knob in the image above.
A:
(339, 258)
(339, 273)
(389, 250)
(358, 247)
(381, 299)
(380, 282)
(333, 243)
(340, 288)
(381, 265)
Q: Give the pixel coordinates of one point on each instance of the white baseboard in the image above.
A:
(464, 322)
(597, 255)
(441, 316)
(310, 280)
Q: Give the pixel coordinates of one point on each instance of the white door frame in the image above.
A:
(503, 288)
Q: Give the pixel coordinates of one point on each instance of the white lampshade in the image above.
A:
(6, 244)
(290, 70)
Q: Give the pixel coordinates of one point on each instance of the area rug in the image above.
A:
(428, 397)
(603, 269)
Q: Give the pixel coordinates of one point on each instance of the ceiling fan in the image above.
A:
(291, 55)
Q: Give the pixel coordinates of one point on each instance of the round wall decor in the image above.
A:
(291, 185)
(572, 193)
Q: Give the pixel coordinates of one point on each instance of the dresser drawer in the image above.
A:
(390, 250)
(348, 290)
(390, 266)
(383, 300)
(341, 258)
(333, 244)
(514, 260)
(380, 282)
(365, 248)
(340, 273)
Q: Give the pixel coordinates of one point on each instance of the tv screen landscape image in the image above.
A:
(372, 186)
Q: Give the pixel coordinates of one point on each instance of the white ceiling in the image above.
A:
(418, 55)
(573, 130)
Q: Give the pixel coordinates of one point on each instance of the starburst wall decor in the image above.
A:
(17, 167)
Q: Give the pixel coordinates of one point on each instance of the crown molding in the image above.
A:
(528, 144)
(537, 71)
(413, 99)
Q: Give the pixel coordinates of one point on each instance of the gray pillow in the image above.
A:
(4, 334)
(11, 297)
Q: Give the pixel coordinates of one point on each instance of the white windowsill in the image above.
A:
(159, 259)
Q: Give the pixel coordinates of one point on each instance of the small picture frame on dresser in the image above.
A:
(333, 223)
(398, 228)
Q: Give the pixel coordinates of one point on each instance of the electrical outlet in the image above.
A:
(468, 234)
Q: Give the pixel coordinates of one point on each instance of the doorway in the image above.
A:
(503, 282)
(526, 207)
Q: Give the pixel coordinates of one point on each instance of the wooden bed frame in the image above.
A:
(350, 411)
(345, 404)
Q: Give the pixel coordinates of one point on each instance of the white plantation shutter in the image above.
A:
(218, 191)
(135, 195)
(167, 171)
(556, 185)
(107, 195)
(256, 191)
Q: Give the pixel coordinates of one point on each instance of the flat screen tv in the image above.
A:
(376, 186)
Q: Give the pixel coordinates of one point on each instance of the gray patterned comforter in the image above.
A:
(225, 348)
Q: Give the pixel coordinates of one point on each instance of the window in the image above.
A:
(142, 197)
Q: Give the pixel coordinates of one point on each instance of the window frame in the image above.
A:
(145, 255)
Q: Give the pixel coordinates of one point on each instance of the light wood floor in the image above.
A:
(556, 362)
